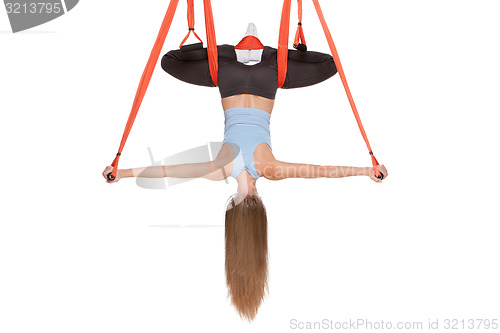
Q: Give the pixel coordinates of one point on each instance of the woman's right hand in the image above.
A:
(105, 173)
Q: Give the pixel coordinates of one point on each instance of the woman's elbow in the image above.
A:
(220, 172)
(217, 175)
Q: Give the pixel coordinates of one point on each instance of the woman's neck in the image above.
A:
(246, 184)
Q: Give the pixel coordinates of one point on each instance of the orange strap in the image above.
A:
(283, 43)
(213, 58)
(299, 35)
(340, 70)
(153, 59)
(190, 18)
(146, 78)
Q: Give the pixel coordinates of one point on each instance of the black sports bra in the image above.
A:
(304, 69)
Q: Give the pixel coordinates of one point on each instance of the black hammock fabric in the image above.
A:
(303, 69)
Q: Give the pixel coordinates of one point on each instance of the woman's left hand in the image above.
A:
(382, 170)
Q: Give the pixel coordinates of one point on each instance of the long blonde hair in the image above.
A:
(246, 254)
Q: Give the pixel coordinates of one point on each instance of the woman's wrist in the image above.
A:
(346, 171)
(360, 171)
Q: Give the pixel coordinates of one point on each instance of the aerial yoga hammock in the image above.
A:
(248, 76)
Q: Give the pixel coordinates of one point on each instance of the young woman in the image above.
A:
(248, 84)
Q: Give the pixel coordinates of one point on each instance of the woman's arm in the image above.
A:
(218, 169)
(308, 68)
(279, 170)
(214, 170)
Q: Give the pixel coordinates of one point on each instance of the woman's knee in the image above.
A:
(219, 172)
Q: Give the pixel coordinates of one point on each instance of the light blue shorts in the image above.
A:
(245, 129)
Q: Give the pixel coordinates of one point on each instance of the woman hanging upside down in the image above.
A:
(248, 78)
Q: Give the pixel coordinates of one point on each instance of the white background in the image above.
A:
(80, 255)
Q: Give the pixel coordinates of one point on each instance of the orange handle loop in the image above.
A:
(299, 34)
(340, 70)
(190, 19)
(187, 36)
